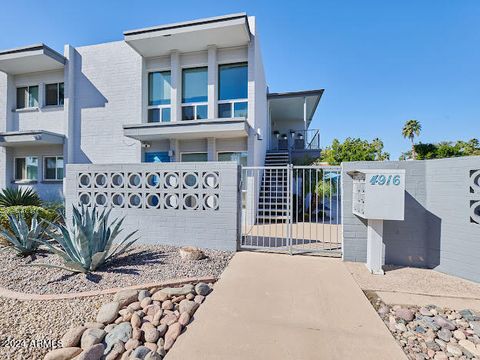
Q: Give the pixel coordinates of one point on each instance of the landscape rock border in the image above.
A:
(138, 324)
(10, 294)
(431, 332)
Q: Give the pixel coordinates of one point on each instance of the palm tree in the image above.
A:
(410, 129)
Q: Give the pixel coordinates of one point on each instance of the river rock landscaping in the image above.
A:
(135, 325)
(431, 332)
(141, 264)
(29, 329)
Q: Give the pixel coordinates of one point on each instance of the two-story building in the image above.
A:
(189, 91)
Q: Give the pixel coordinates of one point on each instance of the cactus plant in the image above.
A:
(88, 242)
(22, 238)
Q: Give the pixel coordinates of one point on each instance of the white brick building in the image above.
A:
(190, 91)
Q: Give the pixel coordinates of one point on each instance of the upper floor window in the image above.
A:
(195, 93)
(27, 97)
(233, 90)
(53, 168)
(54, 94)
(26, 168)
(159, 96)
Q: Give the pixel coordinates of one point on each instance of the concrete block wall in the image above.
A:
(206, 227)
(437, 231)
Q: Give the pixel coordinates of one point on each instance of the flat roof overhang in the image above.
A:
(30, 137)
(28, 59)
(189, 129)
(221, 31)
(288, 106)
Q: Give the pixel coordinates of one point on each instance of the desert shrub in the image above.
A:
(23, 238)
(88, 242)
(27, 212)
(19, 197)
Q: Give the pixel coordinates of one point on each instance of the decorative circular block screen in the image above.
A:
(191, 190)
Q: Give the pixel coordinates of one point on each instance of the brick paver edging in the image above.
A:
(10, 294)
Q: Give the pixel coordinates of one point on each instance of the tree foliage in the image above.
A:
(444, 149)
(411, 129)
(354, 149)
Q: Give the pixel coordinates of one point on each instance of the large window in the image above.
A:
(240, 157)
(187, 157)
(233, 90)
(159, 96)
(26, 168)
(54, 94)
(53, 168)
(195, 93)
(27, 97)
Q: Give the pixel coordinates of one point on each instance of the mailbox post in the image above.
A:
(378, 194)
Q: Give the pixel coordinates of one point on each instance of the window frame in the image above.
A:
(15, 177)
(27, 98)
(230, 152)
(193, 104)
(195, 110)
(160, 107)
(192, 152)
(58, 94)
(232, 102)
(44, 163)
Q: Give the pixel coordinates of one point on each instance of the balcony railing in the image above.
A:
(298, 140)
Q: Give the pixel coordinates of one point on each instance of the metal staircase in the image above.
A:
(273, 198)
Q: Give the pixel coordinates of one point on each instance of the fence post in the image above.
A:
(289, 207)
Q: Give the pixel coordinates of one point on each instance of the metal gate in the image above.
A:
(295, 209)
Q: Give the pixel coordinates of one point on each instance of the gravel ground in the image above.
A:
(414, 281)
(142, 264)
(28, 329)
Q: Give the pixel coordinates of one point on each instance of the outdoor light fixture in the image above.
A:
(276, 133)
(146, 145)
(259, 134)
(284, 136)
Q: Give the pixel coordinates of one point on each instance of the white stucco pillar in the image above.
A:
(176, 79)
(212, 149)
(175, 147)
(305, 115)
(251, 82)
(69, 105)
(212, 82)
(42, 101)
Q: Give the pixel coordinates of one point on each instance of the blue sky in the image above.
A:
(380, 62)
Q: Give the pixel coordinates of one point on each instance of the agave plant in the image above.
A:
(14, 197)
(22, 238)
(88, 243)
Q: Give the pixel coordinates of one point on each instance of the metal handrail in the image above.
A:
(308, 139)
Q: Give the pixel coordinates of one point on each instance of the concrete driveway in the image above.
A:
(273, 306)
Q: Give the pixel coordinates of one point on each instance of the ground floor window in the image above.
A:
(195, 157)
(53, 168)
(157, 157)
(26, 168)
(239, 156)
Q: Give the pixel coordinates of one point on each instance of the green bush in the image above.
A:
(27, 212)
(19, 197)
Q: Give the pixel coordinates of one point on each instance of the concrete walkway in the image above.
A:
(273, 306)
